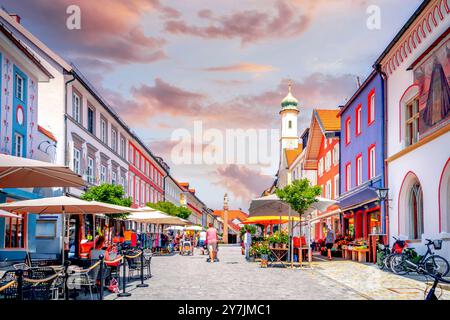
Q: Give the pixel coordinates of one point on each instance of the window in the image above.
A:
(103, 130)
(18, 145)
(19, 87)
(132, 185)
(91, 120)
(114, 140)
(415, 212)
(122, 147)
(347, 131)
(328, 161)
(359, 170)
(336, 154)
(15, 232)
(136, 191)
(90, 170)
(103, 174)
(336, 186)
(412, 122)
(348, 176)
(320, 168)
(372, 162)
(114, 178)
(328, 190)
(358, 120)
(290, 124)
(76, 161)
(371, 107)
(76, 107)
(122, 183)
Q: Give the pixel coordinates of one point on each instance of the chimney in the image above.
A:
(16, 17)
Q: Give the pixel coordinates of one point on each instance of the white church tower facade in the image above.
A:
(289, 119)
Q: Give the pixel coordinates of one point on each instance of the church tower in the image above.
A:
(289, 114)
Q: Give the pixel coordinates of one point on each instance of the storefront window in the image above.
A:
(14, 232)
(374, 222)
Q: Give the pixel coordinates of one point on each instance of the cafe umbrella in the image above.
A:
(148, 215)
(6, 214)
(272, 205)
(63, 205)
(17, 172)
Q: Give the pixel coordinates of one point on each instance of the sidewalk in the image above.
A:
(371, 282)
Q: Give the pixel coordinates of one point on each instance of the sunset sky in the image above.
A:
(164, 64)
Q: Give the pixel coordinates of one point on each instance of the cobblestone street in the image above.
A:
(190, 277)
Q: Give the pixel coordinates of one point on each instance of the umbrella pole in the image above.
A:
(63, 234)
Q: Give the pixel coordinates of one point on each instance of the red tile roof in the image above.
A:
(47, 133)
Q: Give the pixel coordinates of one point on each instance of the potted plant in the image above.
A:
(264, 251)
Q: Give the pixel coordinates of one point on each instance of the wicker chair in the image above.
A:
(134, 264)
(148, 254)
(86, 278)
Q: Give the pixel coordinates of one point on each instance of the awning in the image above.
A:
(358, 199)
(266, 220)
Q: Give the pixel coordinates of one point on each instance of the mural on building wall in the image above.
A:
(433, 78)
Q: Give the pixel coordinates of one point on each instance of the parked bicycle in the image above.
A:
(397, 249)
(431, 294)
(382, 252)
(431, 262)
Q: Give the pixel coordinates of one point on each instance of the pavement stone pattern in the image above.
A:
(192, 278)
(373, 283)
(233, 278)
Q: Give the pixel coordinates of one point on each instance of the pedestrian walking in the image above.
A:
(202, 241)
(329, 241)
(247, 243)
(211, 238)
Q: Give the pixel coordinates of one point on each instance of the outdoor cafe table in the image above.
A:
(277, 255)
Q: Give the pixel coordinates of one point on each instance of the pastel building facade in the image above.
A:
(362, 160)
(21, 136)
(322, 158)
(416, 66)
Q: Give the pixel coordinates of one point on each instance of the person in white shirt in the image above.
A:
(247, 244)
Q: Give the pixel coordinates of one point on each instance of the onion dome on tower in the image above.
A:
(289, 102)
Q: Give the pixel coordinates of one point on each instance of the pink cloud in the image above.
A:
(110, 30)
(249, 25)
(243, 67)
(243, 182)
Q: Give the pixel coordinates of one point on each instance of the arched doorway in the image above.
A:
(411, 219)
(444, 199)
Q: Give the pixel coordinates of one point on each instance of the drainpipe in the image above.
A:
(65, 125)
(383, 75)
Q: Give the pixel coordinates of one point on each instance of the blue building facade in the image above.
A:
(21, 136)
(362, 160)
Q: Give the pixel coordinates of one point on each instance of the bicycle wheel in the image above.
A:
(436, 265)
(387, 261)
(398, 265)
(381, 256)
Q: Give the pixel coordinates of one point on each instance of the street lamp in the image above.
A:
(382, 193)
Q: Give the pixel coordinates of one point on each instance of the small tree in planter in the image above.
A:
(300, 195)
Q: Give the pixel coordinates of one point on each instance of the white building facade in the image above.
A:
(417, 71)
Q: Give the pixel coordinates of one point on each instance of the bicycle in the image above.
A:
(431, 295)
(430, 261)
(397, 249)
(382, 253)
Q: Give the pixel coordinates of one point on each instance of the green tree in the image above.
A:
(109, 193)
(170, 209)
(300, 195)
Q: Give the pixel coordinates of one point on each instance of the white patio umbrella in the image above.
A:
(194, 228)
(64, 205)
(6, 214)
(148, 215)
(17, 172)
